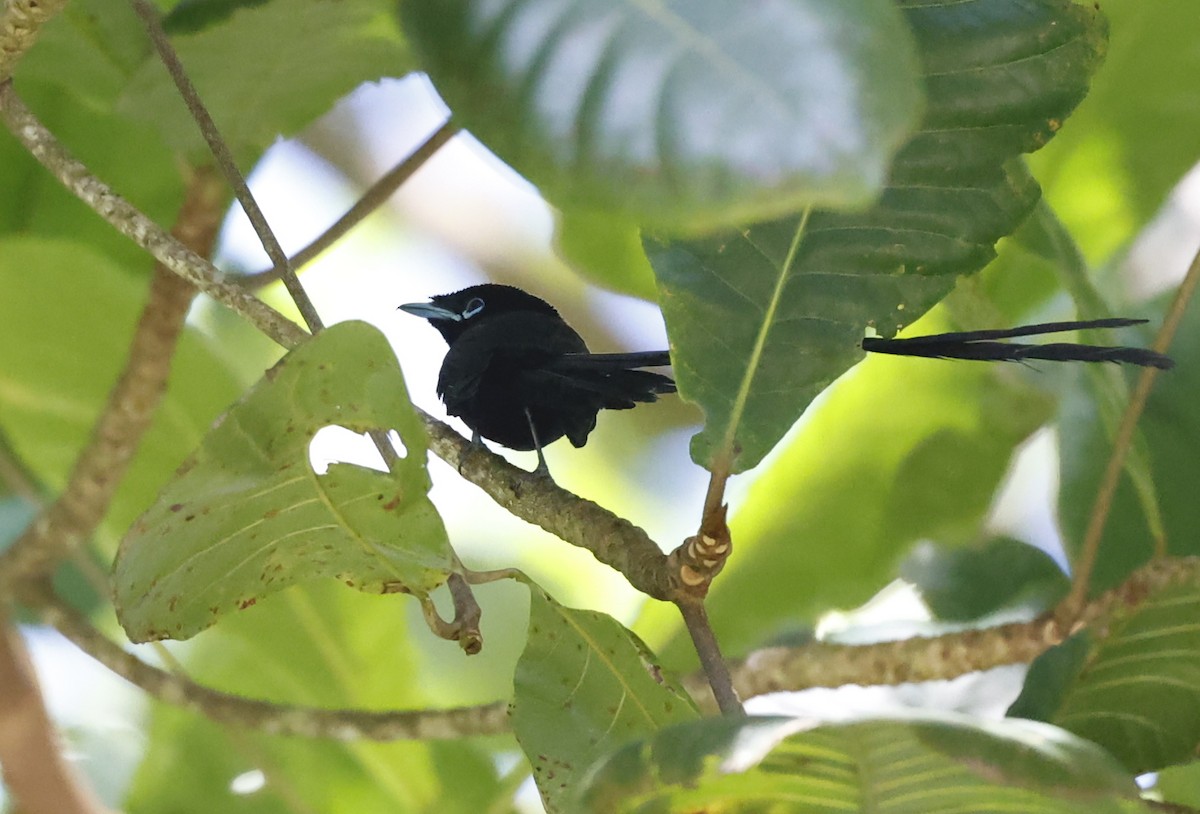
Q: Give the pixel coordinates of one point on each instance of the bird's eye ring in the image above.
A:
(474, 306)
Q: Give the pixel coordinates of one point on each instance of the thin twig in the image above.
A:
(376, 196)
(229, 168)
(695, 618)
(1121, 443)
(143, 231)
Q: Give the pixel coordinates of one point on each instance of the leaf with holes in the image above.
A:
(793, 296)
(1134, 691)
(921, 763)
(584, 686)
(247, 515)
(689, 114)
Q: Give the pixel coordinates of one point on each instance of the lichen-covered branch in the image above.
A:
(613, 540)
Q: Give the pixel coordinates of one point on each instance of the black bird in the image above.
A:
(516, 373)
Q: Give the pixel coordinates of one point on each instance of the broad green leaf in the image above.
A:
(897, 451)
(247, 515)
(686, 115)
(318, 645)
(66, 319)
(1135, 689)
(968, 583)
(793, 296)
(269, 70)
(928, 764)
(584, 686)
(1170, 426)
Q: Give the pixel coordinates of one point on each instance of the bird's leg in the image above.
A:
(542, 469)
(476, 445)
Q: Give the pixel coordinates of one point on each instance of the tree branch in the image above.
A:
(773, 669)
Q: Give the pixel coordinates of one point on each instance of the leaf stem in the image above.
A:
(1121, 444)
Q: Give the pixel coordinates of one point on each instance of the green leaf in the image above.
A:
(681, 114)
(61, 361)
(968, 583)
(897, 451)
(269, 70)
(1051, 676)
(793, 296)
(584, 686)
(929, 764)
(247, 515)
(1136, 689)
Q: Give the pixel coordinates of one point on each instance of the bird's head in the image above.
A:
(454, 313)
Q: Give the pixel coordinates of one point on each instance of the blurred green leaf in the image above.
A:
(898, 450)
(930, 764)
(1136, 688)
(88, 51)
(606, 249)
(62, 358)
(247, 515)
(968, 583)
(584, 686)
(1180, 784)
(1129, 144)
(793, 296)
(684, 115)
(269, 70)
